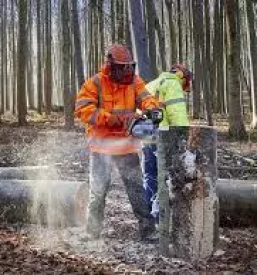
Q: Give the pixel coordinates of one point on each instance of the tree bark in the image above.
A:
(48, 58)
(187, 157)
(236, 125)
(77, 44)
(21, 74)
(253, 57)
(39, 60)
(68, 95)
(139, 38)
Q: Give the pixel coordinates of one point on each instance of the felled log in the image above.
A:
(50, 203)
(187, 170)
(24, 172)
(238, 202)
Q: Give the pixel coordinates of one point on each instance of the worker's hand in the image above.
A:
(115, 121)
(155, 114)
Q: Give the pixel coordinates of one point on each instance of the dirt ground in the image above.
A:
(30, 249)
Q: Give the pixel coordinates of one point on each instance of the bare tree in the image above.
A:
(39, 61)
(77, 44)
(253, 57)
(236, 125)
(139, 38)
(68, 95)
(21, 74)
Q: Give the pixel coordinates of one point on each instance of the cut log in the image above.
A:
(238, 202)
(24, 172)
(187, 166)
(50, 203)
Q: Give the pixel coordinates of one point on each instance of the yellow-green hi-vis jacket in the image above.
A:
(168, 89)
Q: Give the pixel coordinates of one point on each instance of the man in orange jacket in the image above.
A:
(104, 104)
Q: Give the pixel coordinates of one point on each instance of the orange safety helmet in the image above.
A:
(183, 73)
(120, 65)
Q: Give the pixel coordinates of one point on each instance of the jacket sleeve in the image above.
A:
(144, 100)
(87, 109)
(175, 110)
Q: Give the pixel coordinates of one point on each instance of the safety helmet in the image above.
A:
(185, 74)
(120, 64)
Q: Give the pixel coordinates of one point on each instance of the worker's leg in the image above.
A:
(99, 177)
(149, 167)
(129, 168)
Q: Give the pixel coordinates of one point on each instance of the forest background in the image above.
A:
(48, 48)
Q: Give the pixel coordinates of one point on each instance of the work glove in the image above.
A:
(155, 114)
(115, 121)
(130, 118)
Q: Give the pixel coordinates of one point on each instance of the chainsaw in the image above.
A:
(146, 126)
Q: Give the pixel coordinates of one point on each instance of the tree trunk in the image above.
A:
(151, 38)
(48, 58)
(21, 75)
(253, 58)
(139, 39)
(197, 65)
(29, 79)
(236, 125)
(39, 62)
(173, 46)
(77, 44)
(68, 96)
(187, 164)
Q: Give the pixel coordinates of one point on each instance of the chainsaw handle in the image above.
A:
(156, 115)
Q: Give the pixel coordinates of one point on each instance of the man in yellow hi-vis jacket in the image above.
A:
(169, 88)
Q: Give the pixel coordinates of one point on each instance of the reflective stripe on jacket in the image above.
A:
(98, 99)
(168, 89)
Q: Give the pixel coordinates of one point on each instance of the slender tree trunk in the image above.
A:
(197, 64)
(39, 60)
(22, 51)
(48, 57)
(180, 32)
(14, 61)
(139, 38)
(151, 38)
(253, 57)
(236, 125)
(173, 46)
(68, 96)
(29, 80)
(77, 44)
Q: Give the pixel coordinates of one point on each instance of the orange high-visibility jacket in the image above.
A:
(98, 99)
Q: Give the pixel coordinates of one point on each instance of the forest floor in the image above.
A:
(31, 249)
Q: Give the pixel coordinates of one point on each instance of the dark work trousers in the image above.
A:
(100, 178)
(149, 167)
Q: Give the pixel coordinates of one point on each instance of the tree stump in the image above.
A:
(46, 202)
(187, 181)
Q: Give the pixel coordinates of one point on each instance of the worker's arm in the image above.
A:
(144, 99)
(87, 109)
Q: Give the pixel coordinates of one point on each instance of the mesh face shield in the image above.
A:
(122, 73)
